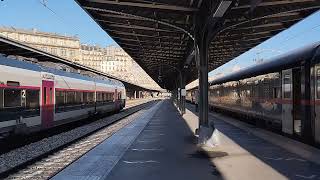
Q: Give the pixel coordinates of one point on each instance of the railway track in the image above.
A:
(45, 158)
(16, 141)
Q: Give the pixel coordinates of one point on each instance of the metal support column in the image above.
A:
(207, 133)
(203, 83)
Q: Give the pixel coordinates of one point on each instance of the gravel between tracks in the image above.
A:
(18, 157)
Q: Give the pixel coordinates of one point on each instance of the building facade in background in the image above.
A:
(92, 56)
(63, 46)
(112, 59)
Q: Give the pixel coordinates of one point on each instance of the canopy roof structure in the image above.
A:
(160, 35)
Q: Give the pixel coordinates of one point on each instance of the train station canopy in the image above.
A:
(11, 47)
(159, 35)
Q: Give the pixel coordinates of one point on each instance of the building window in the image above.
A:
(63, 52)
(72, 53)
(53, 50)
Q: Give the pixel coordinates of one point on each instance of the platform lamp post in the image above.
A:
(181, 89)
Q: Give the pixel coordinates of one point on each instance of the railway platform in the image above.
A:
(160, 144)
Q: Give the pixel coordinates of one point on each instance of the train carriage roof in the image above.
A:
(39, 68)
(285, 61)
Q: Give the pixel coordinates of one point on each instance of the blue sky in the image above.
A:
(68, 18)
(302, 33)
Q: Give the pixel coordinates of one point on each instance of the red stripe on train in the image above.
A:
(80, 90)
(285, 101)
(19, 87)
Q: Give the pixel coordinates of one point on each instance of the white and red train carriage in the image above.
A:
(35, 97)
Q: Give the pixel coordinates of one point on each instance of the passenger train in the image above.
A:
(281, 94)
(34, 97)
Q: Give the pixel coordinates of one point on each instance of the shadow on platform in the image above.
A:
(246, 156)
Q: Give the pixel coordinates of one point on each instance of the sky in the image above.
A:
(300, 34)
(60, 16)
(67, 18)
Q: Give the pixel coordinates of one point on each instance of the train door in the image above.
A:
(316, 103)
(297, 109)
(287, 108)
(47, 103)
(116, 99)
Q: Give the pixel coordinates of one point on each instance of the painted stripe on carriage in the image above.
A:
(19, 87)
(77, 90)
(282, 101)
(80, 90)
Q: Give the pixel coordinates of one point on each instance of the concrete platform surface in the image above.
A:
(253, 157)
(160, 144)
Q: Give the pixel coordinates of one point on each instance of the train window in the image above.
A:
(287, 86)
(23, 98)
(1, 98)
(99, 96)
(12, 98)
(85, 97)
(105, 97)
(318, 84)
(248, 93)
(32, 99)
(44, 95)
(111, 96)
(13, 83)
(60, 96)
(50, 96)
(79, 97)
(276, 93)
(71, 98)
(88, 97)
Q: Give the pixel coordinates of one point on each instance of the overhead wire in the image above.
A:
(63, 20)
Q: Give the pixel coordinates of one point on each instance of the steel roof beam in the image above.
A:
(156, 55)
(259, 29)
(241, 40)
(135, 34)
(152, 47)
(146, 5)
(140, 28)
(129, 39)
(227, 50)
(273, 3)
(235, 44)
(161, 55)
(137, 19)
(160, 52)
(146, 41)
(287, 19)
(249, 45)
